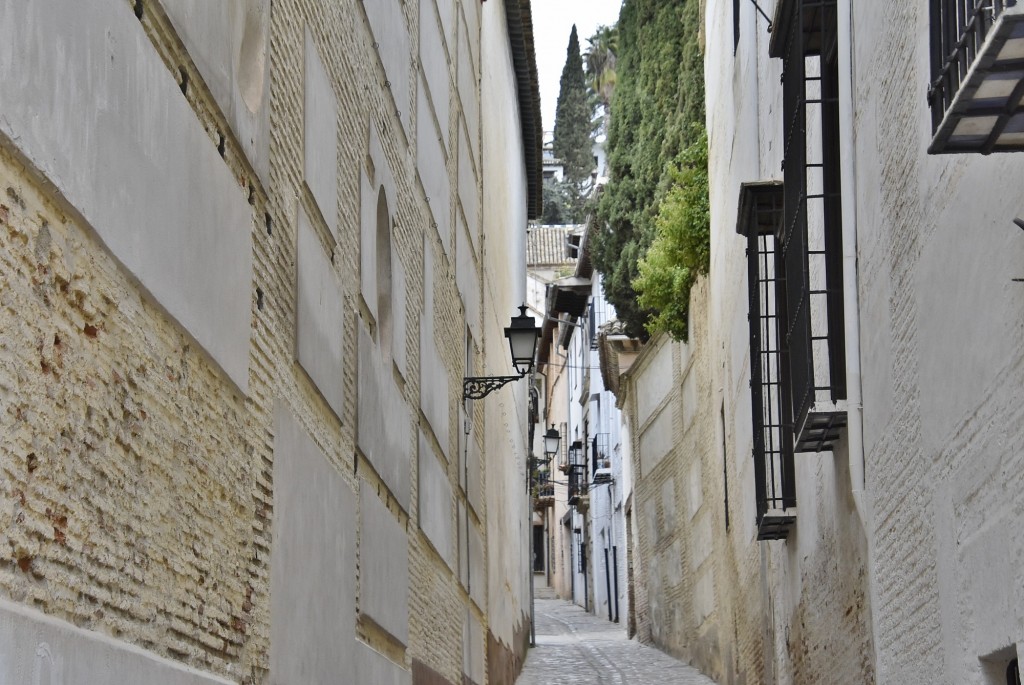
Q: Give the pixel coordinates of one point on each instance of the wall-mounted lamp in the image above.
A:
(551, 440)
(522, 336)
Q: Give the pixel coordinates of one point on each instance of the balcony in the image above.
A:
(977, 55)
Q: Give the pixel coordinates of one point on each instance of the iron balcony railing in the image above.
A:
(958, 32)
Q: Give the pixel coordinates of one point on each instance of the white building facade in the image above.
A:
(858, 353)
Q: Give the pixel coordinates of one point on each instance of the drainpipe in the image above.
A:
(851, 305)
(851, 300)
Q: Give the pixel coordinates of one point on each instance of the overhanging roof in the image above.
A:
(524, 61)
(570, 296)
(760, 208)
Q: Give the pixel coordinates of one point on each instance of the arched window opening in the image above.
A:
(1013, 673)
(384, 318)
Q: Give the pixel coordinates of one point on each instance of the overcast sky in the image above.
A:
(552, 23)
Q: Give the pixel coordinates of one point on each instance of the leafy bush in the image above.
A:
(659, 96)
(680, 250)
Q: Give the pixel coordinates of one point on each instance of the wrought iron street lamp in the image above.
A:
(551, 440)
(522, 336)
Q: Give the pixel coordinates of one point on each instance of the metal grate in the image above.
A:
(811, 233)
(577, 473)
(599, 451)
(760, 220)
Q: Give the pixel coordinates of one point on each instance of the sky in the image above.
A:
(552, 23)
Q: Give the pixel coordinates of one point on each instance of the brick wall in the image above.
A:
(137, 479)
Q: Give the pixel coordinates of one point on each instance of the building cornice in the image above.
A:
(524, 61)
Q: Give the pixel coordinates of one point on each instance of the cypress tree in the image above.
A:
(655, 141)
(573, 118)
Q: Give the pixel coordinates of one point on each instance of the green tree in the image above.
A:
(681, 248)
(659, 95)
(558, 197)
(572, 145)
(600, 56)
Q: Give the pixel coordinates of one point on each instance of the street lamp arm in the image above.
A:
(479, 387)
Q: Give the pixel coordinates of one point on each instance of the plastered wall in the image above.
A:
(941, 322)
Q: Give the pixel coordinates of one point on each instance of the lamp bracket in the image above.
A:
(479, 387)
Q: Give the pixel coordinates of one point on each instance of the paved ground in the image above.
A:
(575, 648)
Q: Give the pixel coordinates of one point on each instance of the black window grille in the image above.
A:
(577, 473)
(760, 220)
(545, 487)
(592, 324)
(811, 233)
(599, 451)
(581, 556)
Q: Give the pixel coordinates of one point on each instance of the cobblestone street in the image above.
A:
(574, 647)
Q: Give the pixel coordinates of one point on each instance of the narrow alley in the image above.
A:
(574, 647)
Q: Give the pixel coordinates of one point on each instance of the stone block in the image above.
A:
(469, 189)
(473, 648)
(434, 382)
(469, 96)
(313, 560)
(656, 441)
(477, 568)
(431, 162)
(383, 566)
(36, 649)
(320, 138)
(373, 667)
(387, 25)
(229, 42)
(384, 420)
(434, 62)
(656, 379)
(320, 317)
(463, 551)
(435, 503)
(165, 205)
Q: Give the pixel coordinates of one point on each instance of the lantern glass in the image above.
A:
(522, 337)
(551, 440)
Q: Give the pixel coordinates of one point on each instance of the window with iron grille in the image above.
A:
(810, 237)
(599, 451)
(760, 220)
(577, 473)
(977, 76)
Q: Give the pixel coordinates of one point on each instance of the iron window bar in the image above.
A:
(810, 229)
(761, 210)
